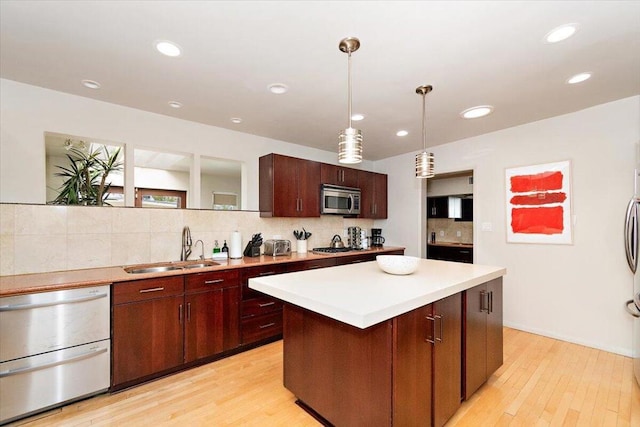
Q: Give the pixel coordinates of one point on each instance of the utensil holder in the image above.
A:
(301, 246)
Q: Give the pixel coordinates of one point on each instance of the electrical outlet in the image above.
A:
(441, 233)
(458, 233)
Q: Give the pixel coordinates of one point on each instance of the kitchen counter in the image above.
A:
(44, 282)
(452, 244)
(363, 295)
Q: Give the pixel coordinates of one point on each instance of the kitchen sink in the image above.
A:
(157, 269)
(178, 265)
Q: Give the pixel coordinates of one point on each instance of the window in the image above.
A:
(158, 198)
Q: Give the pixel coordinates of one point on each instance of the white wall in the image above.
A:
(572, 292)
(27, 112)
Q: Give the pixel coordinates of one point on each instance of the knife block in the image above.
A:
(251, 251)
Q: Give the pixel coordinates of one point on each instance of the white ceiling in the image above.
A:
(475, 52)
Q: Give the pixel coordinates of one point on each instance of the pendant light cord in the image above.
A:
(349, 87)
(424, 119)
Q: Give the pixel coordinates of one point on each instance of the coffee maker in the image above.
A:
(376, 238)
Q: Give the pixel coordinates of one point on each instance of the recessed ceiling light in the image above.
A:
(168, 48)
(175, 104)
(236, 120)
(357, 117)
(475, 112)
(402, 133)
(278, 88)
(91, 84)
(579, 78)
(561, 33)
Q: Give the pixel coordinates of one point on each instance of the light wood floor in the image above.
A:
(542, 382)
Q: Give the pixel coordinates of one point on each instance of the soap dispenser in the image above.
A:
(216, 247)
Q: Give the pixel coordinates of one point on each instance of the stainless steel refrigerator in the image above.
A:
(631, 234)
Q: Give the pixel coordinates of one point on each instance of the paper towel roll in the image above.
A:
(235, 245)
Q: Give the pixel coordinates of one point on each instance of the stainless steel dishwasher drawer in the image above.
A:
(38, 323)
(33, 384)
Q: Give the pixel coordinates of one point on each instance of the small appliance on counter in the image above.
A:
(277, 247)
(376, 238)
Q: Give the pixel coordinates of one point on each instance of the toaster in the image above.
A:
(276, 247)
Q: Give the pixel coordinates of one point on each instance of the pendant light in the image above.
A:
(350, 139)
(424, 160)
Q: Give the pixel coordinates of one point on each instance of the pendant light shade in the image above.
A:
(424, 160)
(350, 139)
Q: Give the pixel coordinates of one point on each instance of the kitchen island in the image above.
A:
(362, 347)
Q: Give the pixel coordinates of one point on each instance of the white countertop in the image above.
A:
(363, 295)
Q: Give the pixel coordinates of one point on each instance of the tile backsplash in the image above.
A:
(42, 238)
(450, 228)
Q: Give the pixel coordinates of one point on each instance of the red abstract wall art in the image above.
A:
(539, 203)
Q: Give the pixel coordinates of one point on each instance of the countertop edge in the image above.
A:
(21, 284)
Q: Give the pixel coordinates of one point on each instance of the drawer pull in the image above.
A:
(211, 282)
(268, 325)
(465, 252)
(144, 291)
(267, 273)
(266, 304)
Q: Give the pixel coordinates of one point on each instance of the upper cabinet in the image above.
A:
(338, 175)
(438, 207)
(289, 187)
(374, 194)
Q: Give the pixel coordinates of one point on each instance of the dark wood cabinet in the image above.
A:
(482, 337)
(405, 371)
(212, 314)
(438, 207)
(288, 186)
(447, 357)
(450, 253)
(147, 338)
(338, 175)
(364, 257)
(373, 187)
(261, 315)
(467, 210)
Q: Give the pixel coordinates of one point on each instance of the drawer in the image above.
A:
(248, 273)
(259, 306)
(211, 280)
(146, 289)
(310, 265)
(353, 259)
(261, 327)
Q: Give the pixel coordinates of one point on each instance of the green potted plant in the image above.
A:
(86, 177)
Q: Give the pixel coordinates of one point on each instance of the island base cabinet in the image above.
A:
(342, 372)
(483, 340)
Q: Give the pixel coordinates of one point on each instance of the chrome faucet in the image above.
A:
(186, 243)
(202, 247)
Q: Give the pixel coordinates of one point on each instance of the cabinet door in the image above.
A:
(286, 202)
(366, 184)
(147, 338)
(212, 323)
(494, 327)
(412, 384)
(337, 175)
(475, 362)
(380, 194)
(447, 360)
(308, 181)
(438, 207)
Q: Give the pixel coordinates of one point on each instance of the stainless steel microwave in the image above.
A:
(339, 200)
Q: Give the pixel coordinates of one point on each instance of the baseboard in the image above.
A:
(617, 350)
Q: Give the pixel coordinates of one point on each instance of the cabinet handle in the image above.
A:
(465, 252)
(490, 302)
(143, 291)
(342, 172)
(266, 273)
(188, 312)
(266, 304)
(268, 325)
(433, 330)
(300, 205)
(484, 296)
(211, 282)
(180, 314)
(438, 317)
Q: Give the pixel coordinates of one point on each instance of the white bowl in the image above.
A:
(397, 264)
